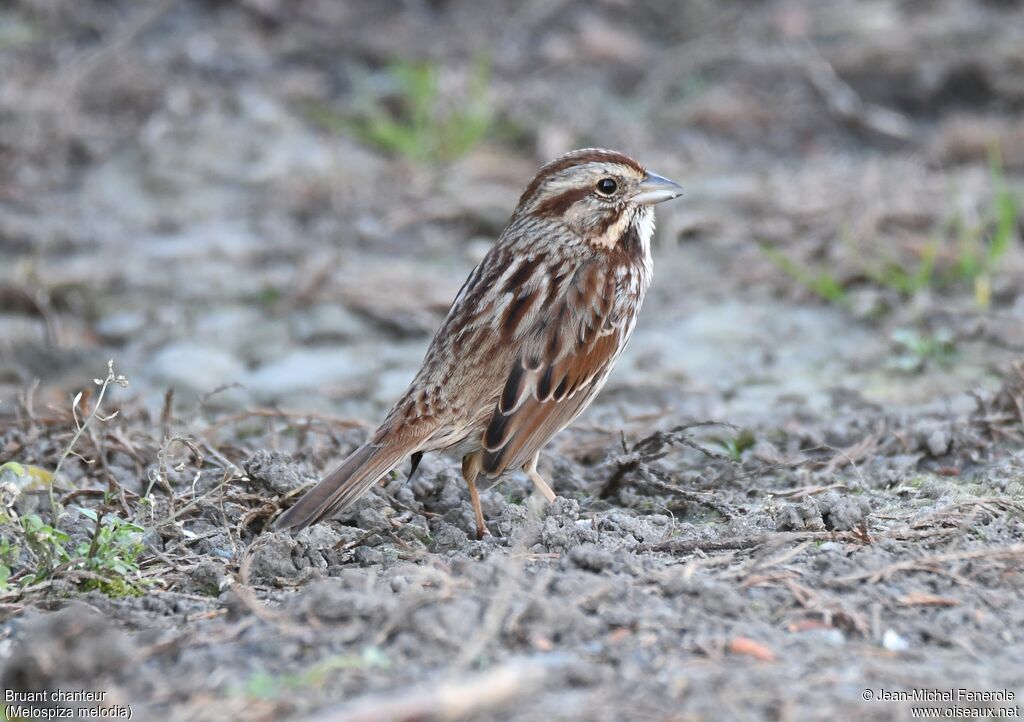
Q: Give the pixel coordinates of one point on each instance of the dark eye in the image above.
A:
(607, 186)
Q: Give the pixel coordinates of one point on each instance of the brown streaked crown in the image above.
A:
(576, 158)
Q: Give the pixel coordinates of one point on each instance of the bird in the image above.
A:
(529, 340)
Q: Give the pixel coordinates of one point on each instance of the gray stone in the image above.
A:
(307, 369)
(327, 323)
(120, 326)
(938, 442)
(15, 328)
(202, 369)
(590, 557)
(244, 331)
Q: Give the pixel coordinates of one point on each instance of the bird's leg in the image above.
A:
(470, 470)
(537, 479)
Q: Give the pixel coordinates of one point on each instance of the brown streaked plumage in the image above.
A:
(530, 338)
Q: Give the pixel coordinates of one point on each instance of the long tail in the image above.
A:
(349, 481)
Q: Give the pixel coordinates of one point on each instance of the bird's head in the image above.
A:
(599, 194)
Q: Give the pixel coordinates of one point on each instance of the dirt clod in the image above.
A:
(276, 472)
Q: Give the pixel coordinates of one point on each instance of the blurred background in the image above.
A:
(272, 202)
(261, 210)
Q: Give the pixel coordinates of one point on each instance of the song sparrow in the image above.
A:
(530, 338)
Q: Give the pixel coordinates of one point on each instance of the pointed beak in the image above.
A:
(655, 189)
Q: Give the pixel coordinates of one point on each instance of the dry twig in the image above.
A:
(472, 694)
(932, 564)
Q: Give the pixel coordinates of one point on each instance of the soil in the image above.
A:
(802, 488)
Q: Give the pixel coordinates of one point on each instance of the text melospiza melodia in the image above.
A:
(530, 338)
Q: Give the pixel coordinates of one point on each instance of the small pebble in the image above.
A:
(894, 642)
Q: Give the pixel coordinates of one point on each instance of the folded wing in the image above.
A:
(566, 354)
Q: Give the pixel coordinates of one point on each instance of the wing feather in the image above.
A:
(566, 356)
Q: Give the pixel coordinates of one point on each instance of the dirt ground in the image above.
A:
(801, 491)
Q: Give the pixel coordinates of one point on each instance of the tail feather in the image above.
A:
(340, 488)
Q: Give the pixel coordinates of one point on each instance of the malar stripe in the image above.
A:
(630, 243)
(607, 222)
